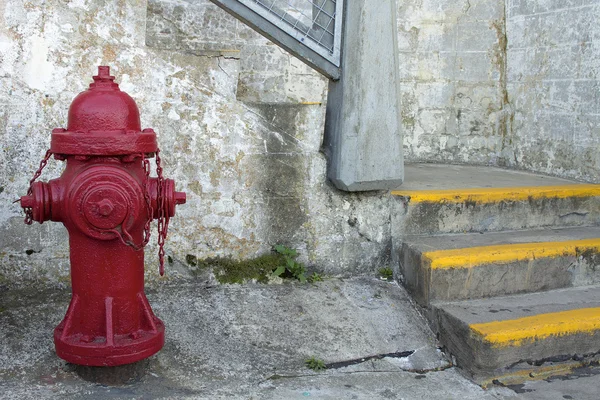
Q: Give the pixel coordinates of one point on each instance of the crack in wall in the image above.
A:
(506, 117)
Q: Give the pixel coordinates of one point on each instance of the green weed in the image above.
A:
(315, 364)
(386, 273)
(291, 268)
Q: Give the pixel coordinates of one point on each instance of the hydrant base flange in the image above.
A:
(109, 348)
(133, 351)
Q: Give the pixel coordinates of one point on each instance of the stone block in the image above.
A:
(435, 37)
(480, 36)
(436, 94)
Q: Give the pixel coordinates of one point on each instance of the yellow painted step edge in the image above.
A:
(504, 253)
(516, 332)
(495, 195)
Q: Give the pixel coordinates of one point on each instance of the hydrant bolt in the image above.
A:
(105, 207)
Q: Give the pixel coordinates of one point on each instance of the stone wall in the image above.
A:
(240, 122)
(502, 82)
(452, 57)
(553, 85)
(240, 125)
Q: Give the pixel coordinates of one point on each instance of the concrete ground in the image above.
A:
(251, 342)
(418, 176)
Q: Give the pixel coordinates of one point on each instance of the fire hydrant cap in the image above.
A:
(103, 107)
(103, 120)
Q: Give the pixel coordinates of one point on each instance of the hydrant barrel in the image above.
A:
(119, 326)
(106, 200)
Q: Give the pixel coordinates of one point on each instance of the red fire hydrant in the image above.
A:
(106, 199)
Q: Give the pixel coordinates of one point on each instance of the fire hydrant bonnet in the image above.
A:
(103, 120)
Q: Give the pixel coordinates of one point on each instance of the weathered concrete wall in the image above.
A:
(507, 82)
(553, 85)
(452, 79)
(503, 82)
(240, 126)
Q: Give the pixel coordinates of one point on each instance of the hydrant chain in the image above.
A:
(163, 220)
(163, 216)
(125, 237)
(149, 209)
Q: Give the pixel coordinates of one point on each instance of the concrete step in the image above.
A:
(466, 266)
(522, 337)
(440, 198)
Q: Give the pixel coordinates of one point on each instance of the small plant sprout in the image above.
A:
(386, 273)
(315, 278)
(291, 267)
(315, 364)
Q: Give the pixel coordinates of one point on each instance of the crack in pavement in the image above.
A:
(346, 363)
(342, 364)
(386, 371)
(556, 359)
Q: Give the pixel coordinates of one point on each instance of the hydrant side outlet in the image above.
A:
(106, 200)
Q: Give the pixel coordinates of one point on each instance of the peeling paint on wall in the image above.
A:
(239, 123)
